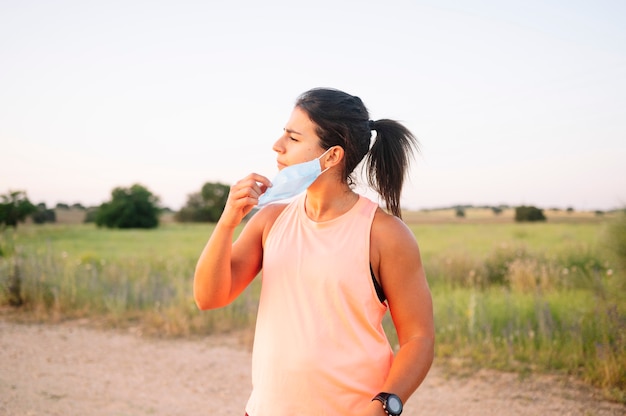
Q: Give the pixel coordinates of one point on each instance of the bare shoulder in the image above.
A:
(255, 231)
(263, 220)
(391, 232)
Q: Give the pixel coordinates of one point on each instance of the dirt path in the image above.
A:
(69, 369)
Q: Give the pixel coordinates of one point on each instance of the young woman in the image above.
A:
(332, 262)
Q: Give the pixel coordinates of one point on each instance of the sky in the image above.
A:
(513, 102)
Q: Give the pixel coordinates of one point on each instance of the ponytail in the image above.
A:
(387, 162)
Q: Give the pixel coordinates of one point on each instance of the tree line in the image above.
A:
(129, 207)
(137, 207)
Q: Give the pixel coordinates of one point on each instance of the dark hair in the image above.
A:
(343, 120)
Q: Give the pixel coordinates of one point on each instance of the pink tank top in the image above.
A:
(319, 347)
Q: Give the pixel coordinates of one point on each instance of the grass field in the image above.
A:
(523, 297)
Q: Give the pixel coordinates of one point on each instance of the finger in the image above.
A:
(260, 179)
(239, 194)
(257, 189)
(257, 183)
(244, 189)
(247, 192)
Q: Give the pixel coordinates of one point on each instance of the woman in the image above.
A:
(332, 262)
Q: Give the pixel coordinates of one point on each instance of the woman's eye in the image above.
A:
(293, 138)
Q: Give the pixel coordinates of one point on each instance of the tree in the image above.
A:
(529, 213)
(15, 207)
(134, 207)
(42, 214)
(91, 214)
(206, 205)
(496, 210)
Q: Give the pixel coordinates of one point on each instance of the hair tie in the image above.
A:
(372, 125)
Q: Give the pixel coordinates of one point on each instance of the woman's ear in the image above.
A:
(333, 157)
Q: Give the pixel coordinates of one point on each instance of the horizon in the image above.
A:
(77, 204)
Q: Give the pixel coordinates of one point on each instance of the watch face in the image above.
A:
(394, 405)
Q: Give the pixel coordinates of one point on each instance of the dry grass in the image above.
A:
(77, 216)
(437, 216)
(70, 216)
(486, 215)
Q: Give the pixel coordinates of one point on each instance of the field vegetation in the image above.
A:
(527, 297)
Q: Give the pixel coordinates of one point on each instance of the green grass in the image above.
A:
(477, 240)
(171, 240)
(522, 297)
(120, 277)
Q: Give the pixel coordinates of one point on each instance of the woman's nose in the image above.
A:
(278, 145)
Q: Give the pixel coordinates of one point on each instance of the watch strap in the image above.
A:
(383, 397)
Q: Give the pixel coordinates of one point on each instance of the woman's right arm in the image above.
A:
(224, 268)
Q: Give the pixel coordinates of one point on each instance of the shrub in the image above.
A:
(43, 214)
(14, 208)
(496, 210)
(91, 215)
(206, 205)
(496, 265)
(134, 207)
(529, 213)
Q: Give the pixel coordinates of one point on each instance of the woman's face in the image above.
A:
(299, 142)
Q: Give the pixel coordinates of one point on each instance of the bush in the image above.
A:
(14, 208)
(43, 214)
(496, 265)
(529, 213)
(206, 205)
(133, 207)
(91, 215)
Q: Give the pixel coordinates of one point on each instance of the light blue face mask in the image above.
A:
(292, 181)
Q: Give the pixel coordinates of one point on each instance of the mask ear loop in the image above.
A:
(322, 155)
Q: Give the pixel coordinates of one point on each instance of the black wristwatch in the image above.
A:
(391, 403)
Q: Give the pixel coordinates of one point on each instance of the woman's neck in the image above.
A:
(329, 203)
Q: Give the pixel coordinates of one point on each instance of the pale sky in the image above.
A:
(514, 102)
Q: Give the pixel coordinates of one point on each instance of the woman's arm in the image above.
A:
(397, 262)
(224, 268)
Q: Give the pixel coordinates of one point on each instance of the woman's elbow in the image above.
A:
(206, 301)
(202, 304)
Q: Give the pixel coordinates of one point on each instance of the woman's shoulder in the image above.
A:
(264, 218)
(267, 214)
(383, 220)
(390, 231)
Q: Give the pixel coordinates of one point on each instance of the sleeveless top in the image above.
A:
(319, 347)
